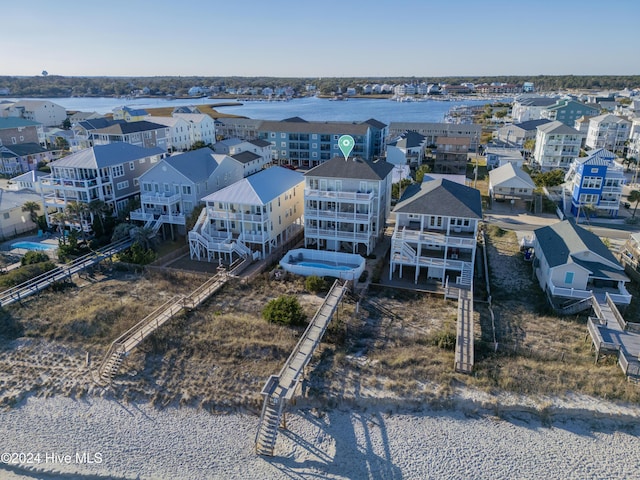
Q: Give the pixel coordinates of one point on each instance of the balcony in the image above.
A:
(347, 236)
(69, 183)
(160, 199)
(337, 215)
(141, 216)
(245, 215)
(254, 236)
(458, 239)
(312, 194)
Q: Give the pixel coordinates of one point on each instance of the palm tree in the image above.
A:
(634, 196)
(98, 209)
(32, 208)
(143, 235)
(60, 219)
(77, 211)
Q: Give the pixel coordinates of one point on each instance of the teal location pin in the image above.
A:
(346, 143)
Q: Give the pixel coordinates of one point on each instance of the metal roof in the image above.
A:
(101, 156)
(355, 168)
(259, 188)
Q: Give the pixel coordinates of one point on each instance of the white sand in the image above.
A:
(137, 441)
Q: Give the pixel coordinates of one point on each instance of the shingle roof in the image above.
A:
(375, 123)
(557, 127)
(441, 197)
(15, 122)
(356, 168)
(537, 101)
(101, 156)
(336, 128)
(258, 189)
(531, 124)
(560, 241)
(260, 143)
(125, 128)
(10, 199)
(196, 165)
(507, 172)
(245, 157)
(21, 149)
(96, 123)
(409, 139)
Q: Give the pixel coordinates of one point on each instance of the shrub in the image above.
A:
(445, 339)
(137, 254)
(24, 273)
(315, 284)
(284, 309)
(34, 257)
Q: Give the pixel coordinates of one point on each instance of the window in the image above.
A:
(117, 171)
(186, 190)
(136, 182)
(587, 198)
(132, 165)
(283, 144)
(568, 278)
(6, 215)
(122, 185)
(592, 182)
(146, 187)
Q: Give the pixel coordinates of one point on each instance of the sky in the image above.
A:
(328, 38)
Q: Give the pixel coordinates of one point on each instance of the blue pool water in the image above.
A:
(33, 246)
(324, 265)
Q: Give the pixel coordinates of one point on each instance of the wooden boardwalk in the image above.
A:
(610, 333)
(58, 274)
(136, 335)
(280, 388)
(464, 332)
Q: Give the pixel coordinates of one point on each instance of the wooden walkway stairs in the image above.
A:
(281, 388)
(17, 293)
(464, 332)
(129, 340)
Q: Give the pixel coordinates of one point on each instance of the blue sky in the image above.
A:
(329, 38)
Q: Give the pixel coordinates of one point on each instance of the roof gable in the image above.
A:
(561, 241)
(196, 165)
(259, 188)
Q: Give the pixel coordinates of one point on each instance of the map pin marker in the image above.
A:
(346, 143)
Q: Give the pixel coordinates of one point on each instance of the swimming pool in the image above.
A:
(34, 246)
(302, 261)
(324, 265)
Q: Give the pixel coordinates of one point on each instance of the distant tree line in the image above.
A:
(59, 86)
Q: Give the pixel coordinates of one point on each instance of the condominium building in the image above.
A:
(308, 144)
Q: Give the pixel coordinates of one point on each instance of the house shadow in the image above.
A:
(353, 445)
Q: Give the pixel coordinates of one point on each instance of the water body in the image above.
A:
(310, 108)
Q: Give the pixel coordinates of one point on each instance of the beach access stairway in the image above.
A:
(464, 332)
(58, 274)
(280, 388)
(129, 340)
(610, 333)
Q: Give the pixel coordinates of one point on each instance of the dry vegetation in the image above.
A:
(394, 343)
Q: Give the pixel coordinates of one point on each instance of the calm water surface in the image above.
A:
(311, 108)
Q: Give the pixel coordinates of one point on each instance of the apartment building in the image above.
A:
(433, 130)
(608, 131)
(557, 146)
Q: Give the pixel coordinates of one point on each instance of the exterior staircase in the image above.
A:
(129, 340)
(281, 388)
(466, 276)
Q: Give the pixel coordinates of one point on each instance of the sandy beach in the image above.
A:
(132, 441)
